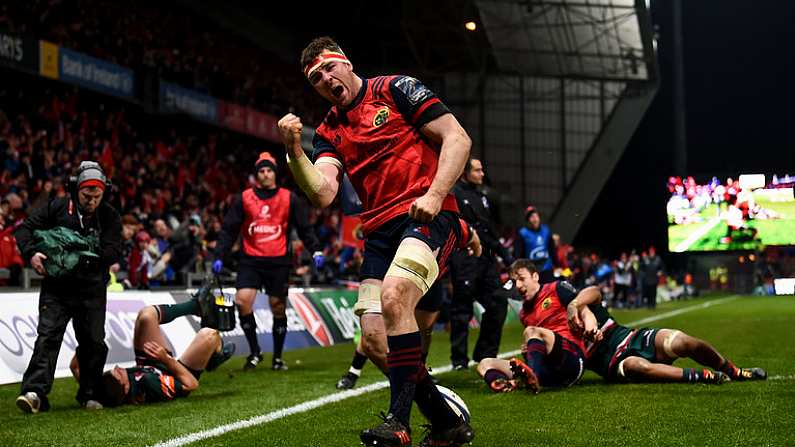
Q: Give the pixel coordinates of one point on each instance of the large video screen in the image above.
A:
(737, 213)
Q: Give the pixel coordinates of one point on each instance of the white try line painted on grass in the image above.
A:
(696, 235)
(343, 395)
(789, 377)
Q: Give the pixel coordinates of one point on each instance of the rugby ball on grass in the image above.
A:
(455, 402)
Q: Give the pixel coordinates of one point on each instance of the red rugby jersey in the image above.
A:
(548, 310)
(378, 142)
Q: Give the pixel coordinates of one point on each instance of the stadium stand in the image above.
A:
(162, 39)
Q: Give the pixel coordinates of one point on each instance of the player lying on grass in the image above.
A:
(618, 353)
(158, 376)
(553, 353)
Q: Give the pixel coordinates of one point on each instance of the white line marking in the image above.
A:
(343, 395)
(673, 313)
(272, 416)
(696, 235)
(789, 377)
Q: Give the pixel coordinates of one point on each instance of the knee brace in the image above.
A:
(415, 263)
(369, 300)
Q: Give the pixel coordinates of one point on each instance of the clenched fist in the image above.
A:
(290, 129)
(426, 207)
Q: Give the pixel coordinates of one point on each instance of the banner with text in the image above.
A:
(315, 317)
(248, 121)
(335, 306)
(95, 74)
(19, 318)
(19, 51)
(304, 326)
(174, 98)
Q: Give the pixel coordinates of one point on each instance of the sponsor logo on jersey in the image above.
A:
(381, 116)
(268, 232)
(539, 253)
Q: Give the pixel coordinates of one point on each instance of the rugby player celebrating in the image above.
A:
(403, 151)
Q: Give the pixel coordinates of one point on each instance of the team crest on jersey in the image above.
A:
(547, 302)
(381, 116)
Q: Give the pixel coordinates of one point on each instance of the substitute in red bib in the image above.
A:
(263, 216)
(402, 150)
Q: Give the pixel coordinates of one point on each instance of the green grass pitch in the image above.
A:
(753, 331)
(770, 232)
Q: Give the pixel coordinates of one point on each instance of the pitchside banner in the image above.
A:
(305, 326)
(315, 317)
(174, 98)
(95, 74)
(335, 306)
(249, 121)
(19, 317)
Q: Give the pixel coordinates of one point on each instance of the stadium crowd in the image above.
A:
(174, 181)
(171, 213)
(166, 40)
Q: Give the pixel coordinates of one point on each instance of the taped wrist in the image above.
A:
(306, 175)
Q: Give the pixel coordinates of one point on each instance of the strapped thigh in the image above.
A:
(668, 344)
(415, 262)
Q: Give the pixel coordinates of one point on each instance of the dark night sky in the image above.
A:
(740, 97)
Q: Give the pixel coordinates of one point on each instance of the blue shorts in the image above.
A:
(443, 233)
(563, 366)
